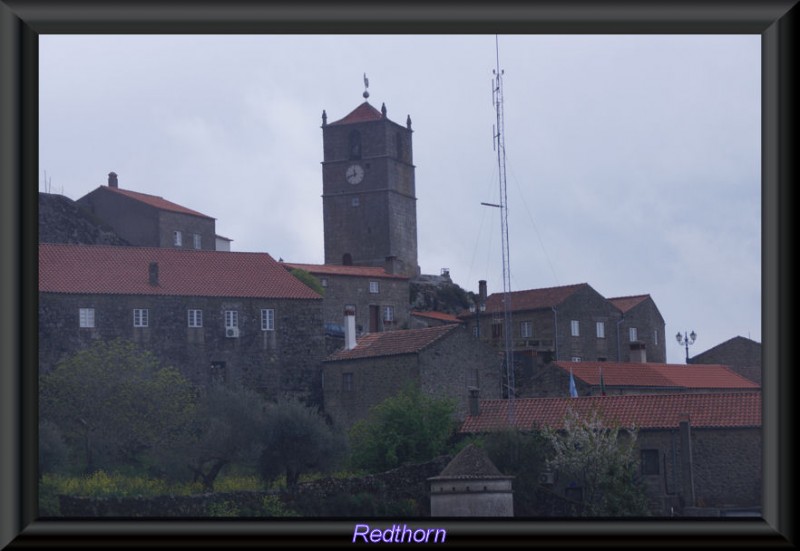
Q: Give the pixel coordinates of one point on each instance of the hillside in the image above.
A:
(61, 220)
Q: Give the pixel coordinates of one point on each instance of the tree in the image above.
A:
(602, 460)
(115, 403)
(297, 439)
(309, 279)
(229, 425)
(408, 427)
(522, 455)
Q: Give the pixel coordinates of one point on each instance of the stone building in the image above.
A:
(471, 486)
(443, 361)
(696, 450)
(238, 317)
(368, 191)
(148, 220)
(432, 318)
(641, 329)
(568, 323)
(741, 354)
(379, 297)
(613, 378)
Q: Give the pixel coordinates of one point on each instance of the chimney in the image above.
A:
(349, 328)
(482, 291)
(638, 352)
(473, 404)
(112, 179)
(154, 274)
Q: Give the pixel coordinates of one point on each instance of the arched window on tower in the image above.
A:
(347, 259)
(355, 144)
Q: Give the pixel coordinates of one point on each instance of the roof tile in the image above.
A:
(644, 411)
(658, 375)
(391, 343)
(363, 113)
(92, 269)
(626, 303)
(155, 201)
(336, 269)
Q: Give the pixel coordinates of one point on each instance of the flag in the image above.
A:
(573, 391)
(602, 383)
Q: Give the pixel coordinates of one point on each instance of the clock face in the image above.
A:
(354, 174)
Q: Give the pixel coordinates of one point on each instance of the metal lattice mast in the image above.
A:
(500, 147)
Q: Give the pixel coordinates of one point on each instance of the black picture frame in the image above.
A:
(22, 21)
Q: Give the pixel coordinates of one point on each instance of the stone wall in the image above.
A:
(408, 483)
(286, 360)
(739, 353)
(649, 328)
(188, 225)
(342, 290)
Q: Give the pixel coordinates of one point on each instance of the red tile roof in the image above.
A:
(658, 375)
(532, 299)
(363, 113)
(392, 343)
(90, 269)
(154, 201)
(440, 316)
(335, 269)
(644, 411)
(626, 303)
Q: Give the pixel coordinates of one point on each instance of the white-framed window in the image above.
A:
(231, 319)
(601, 330)
(141, 317)
(347, 382)
(195, 318)
(323, 281)
(576, 358)
(198, 241)
(374, 287)
(633, 335)
(86, 317)
(177, 238)
(575, 328)
(268, 319)
(655, 337)
(526, 329)
(388, 313)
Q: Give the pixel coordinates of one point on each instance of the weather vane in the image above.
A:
(366, 85)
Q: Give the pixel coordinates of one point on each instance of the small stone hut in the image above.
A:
(471, 486)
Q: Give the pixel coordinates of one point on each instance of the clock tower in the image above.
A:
(368, 194)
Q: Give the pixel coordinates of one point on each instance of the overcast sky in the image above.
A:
(633, 162)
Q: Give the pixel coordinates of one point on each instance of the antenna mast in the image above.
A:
(500, 146)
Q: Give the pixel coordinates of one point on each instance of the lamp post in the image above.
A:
(478, 307)
(686, 340)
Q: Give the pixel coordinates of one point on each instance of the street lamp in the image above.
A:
(477, 308)
(686, 340)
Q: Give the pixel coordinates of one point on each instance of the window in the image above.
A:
(575, 328)
(268, 319)
(633, 335)
(601, 330)
(655, 338)
(195, 318)
(231, 319)
(388, 313)
(177, 238)
(347, 382)
(374, 287)
(497, 329)
(650, 462)
(141, 317)
(198, 241)
(86, 317)
(526, 329)
(355, 202)
(323, 281)
(576, 358)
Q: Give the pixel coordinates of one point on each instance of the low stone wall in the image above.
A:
(404, 483)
